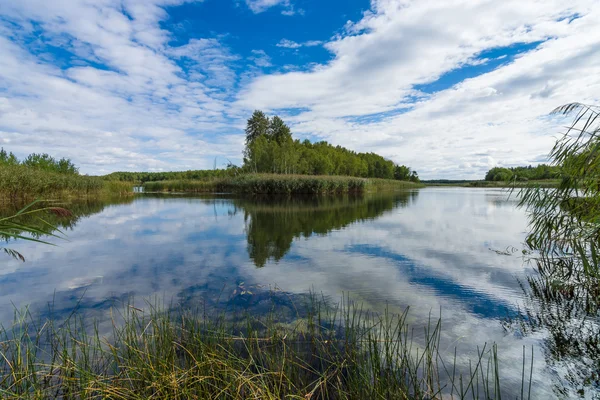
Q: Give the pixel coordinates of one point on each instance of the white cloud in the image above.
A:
(143, 112)
(260, 58)
(258, 6)
(290, 44)
(127, 99)
(399, 44)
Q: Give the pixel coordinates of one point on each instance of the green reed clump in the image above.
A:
(19, 182)
(183, 186)
(380, 185)
(338, 352)
(279, 184)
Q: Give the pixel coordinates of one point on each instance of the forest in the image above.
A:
(529, 173)
(271, 148)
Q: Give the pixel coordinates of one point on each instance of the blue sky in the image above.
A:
(450, 88)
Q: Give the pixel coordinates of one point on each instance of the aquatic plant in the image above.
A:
(328, 352)
(19, 182)
(12, 227)
(279, 184)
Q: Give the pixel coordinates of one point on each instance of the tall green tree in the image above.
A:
(257, 125)
(270, 148)
(279, 131)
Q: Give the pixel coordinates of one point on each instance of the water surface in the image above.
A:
(437, 250)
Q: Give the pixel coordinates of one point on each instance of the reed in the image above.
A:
(19, 183)
(279, 184)
(341, 352)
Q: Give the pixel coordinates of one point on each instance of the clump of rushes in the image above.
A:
(18, 182)
(342, 352)
(279, 184)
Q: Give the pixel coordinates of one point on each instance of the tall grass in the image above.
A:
(20, 182)
(342, 352)
(279, 184)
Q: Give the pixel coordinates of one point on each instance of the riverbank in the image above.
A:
(340, 352)
(21, 183)
(280, 184)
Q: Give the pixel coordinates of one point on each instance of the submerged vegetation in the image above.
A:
(326, 352)
(41, 176)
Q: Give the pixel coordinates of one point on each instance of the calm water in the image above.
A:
(434, 250)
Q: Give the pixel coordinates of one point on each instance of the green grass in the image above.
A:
(19, 183)
(279, 184)
(341, 352)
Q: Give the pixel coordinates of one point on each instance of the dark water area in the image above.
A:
(441, 251)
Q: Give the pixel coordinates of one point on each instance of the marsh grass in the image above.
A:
(340, 352)
(279, 184)
(18, 183)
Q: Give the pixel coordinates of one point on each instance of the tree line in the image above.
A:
(270, 148)
(43, 162)
(529, 173)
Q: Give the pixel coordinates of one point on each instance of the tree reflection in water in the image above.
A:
(273, 223)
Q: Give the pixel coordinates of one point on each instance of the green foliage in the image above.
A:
(270, 148)
(258, 125)
(564, 244)
(567, 220)
(12, 226)
(7, 159)
(540, 172)
(46, 162)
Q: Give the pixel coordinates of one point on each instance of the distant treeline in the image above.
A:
(42, 162)
(529, 173)
(270, 148)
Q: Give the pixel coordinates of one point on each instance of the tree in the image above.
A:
(47, 163)
(257, 125)
(270, 148)
(7, 158)
(279, 131)
(401, 173)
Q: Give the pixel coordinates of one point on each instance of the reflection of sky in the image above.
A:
(434, 254)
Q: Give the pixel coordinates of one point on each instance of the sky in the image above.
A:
(450, 88)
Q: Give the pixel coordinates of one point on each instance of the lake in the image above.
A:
(437, 250)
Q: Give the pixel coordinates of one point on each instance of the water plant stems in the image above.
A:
(280, 184)
(326, 352)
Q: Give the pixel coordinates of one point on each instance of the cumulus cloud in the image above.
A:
(130, 101)
(380, 60)
(120, 95)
